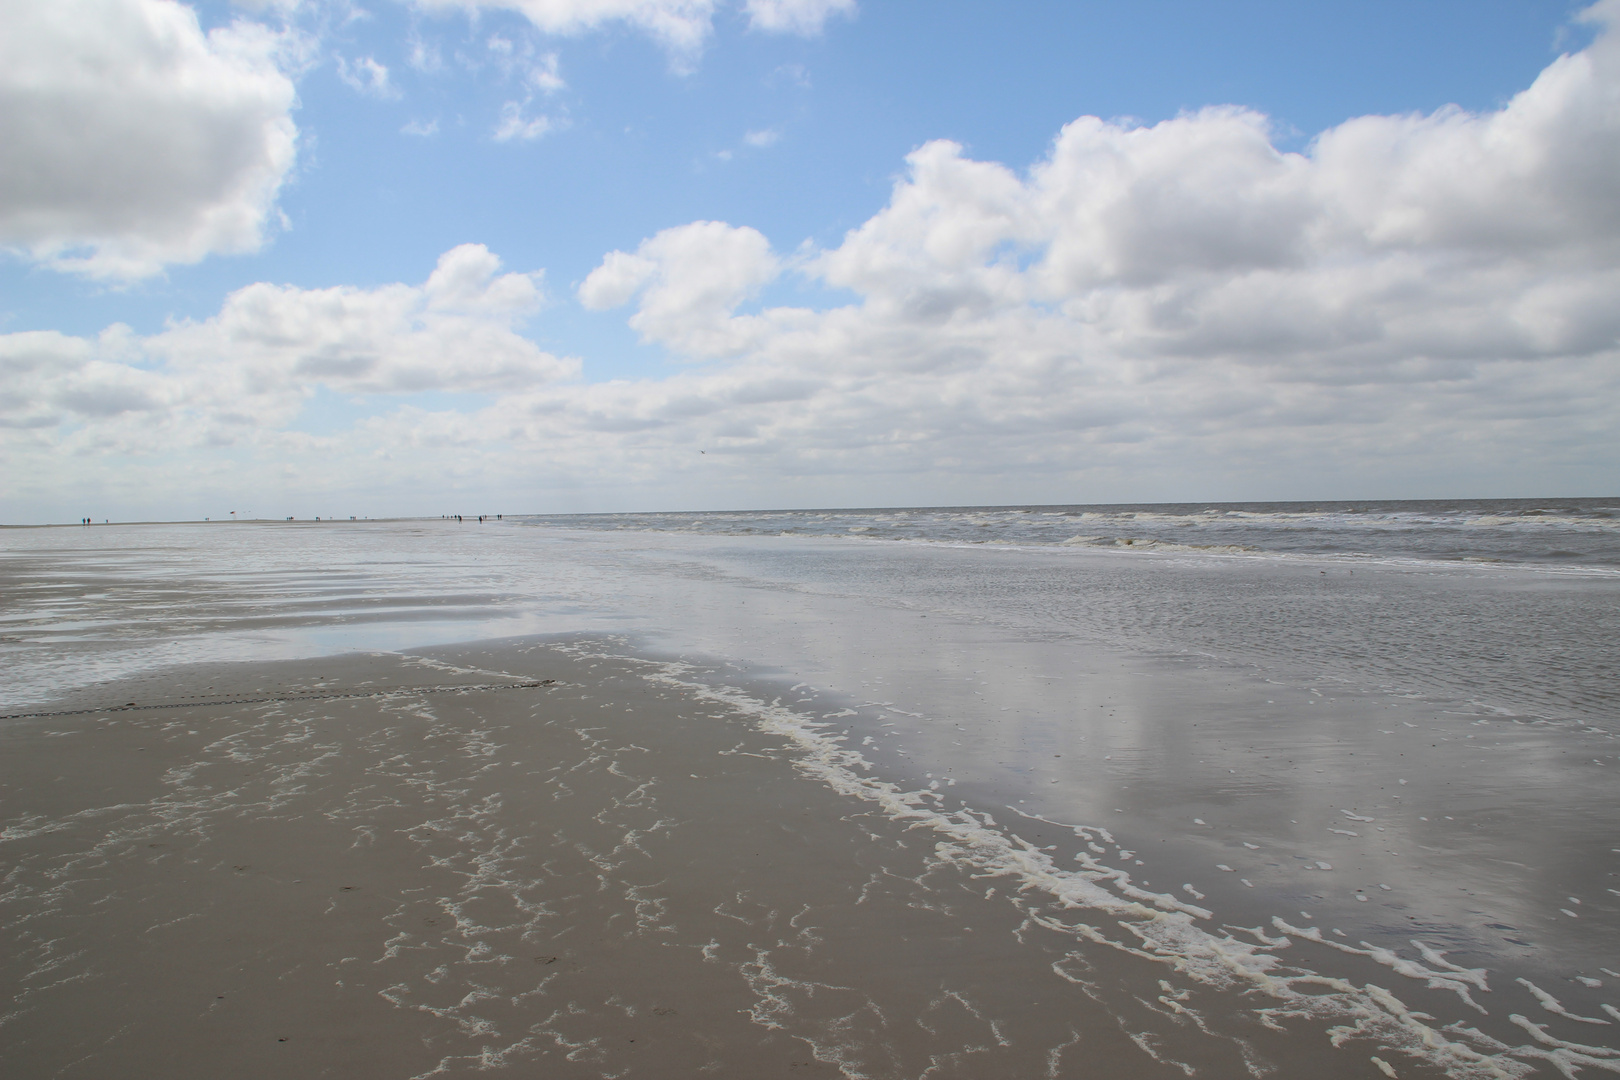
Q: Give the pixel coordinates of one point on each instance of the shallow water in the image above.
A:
(1438, 733)
(1546, 532)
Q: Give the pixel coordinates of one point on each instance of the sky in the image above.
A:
(412, 257)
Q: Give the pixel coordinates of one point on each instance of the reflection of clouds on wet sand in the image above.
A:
(640, 869)
(618, 878)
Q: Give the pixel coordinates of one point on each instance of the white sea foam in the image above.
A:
(1157, 927)
(1553, 1005)
(1512, 532)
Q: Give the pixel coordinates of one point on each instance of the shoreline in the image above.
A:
(396, 886)
(738, 858)
(1175, 793)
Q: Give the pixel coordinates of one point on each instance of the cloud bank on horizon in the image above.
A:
(1178, 309)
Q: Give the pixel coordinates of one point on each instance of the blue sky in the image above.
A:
(392, 154)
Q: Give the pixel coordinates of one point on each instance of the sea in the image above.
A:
(1354, 753)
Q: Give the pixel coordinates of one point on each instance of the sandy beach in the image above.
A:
(599, 874)
(898, 841)
(650, 539)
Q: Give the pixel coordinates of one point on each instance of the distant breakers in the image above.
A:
(86, 521)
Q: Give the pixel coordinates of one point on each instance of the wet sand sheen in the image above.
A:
(614, 874)
(591, 875)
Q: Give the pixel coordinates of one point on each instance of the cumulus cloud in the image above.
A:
(49, 376)
(272, 344)
(1411, 305)
(1391, 242)
(690, 280)
(1421, 288)
(252, 366)
(804, 17)
(134, 140)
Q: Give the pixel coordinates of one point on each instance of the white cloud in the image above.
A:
(543, 74)
(46, 377)
(421, 128)
(249, 369)
(538, 72)
(762, 138)
(680, 26)
(690, 280)
(273, 343)
(1454, 236)
(1412, 295)
(1415, 305)
(132, 139)
(368, 77)
(515, 123)
(804, 17)
(616, 281)
(541, 71)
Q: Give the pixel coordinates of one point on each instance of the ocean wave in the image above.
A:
(1520, 532)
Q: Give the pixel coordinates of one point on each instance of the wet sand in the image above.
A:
(600, 876)
(589, 862)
